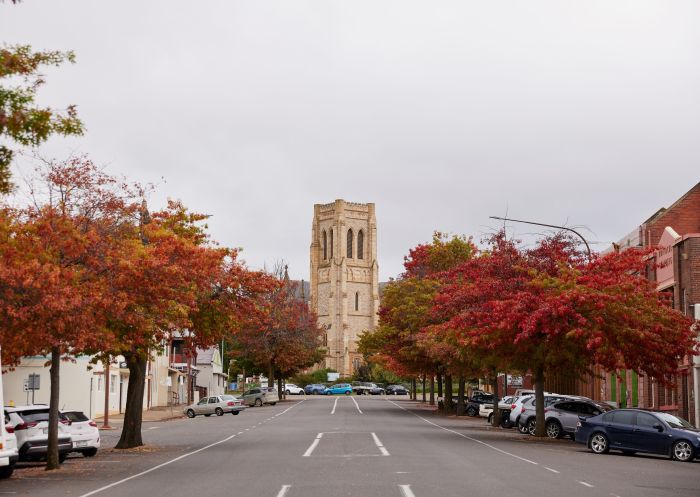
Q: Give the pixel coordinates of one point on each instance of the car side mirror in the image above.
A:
(658, 427)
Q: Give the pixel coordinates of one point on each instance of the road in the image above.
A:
(352, 447)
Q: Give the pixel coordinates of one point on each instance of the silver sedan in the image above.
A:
(217, 404)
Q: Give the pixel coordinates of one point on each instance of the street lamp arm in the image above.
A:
(588, 248)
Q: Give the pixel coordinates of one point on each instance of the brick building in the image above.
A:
(676, 232)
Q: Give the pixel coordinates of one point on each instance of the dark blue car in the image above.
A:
(636, 430)
(315, 389)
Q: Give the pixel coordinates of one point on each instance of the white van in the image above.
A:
(8, 441)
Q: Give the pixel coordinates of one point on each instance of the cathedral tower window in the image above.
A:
(331, 232)
(350, 242)
(360, 244)
(325, 245)
(357, 301)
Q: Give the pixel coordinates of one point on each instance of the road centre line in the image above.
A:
(283, 491)
(334, 405)
(466, 436)
(379, 445)
(356, 404)
(406, 491)
(167, 463)
(550, 469)
(585, 484)
(313, 445)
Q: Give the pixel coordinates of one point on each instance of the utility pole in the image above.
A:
(105, 423)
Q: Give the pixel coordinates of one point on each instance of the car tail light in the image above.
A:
(65, 421)
(512, 406)
(93, 424)
(231, 403)
(522, 409)
(9, 429)
(26, 426)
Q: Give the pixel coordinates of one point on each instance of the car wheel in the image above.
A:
(682, 451)
(287, 392)
(90, 452)
(6, 471)
(522, 429)
(207, 415)
(258, 402)
(235, 413)
(190, 413)
(273, 403)
(219, 411)
(348, 393)
(490, 418)
(598, 443)
(62, 457)
(531, 426)
(553, 429)
(471, 411)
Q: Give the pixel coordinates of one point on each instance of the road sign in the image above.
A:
(33, 382)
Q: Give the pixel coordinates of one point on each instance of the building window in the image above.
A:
(350, 242)
(331, 242)
(357, 301)
(361, 244)
(325, 245)
(112, 383)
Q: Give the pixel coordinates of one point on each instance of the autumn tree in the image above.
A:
(549, 309)
(53, 256)
(23, 123)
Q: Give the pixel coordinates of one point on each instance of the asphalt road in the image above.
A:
(352, 447)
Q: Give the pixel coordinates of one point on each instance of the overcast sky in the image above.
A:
(442, 113)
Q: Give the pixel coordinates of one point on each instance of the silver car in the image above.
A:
(217, 404)
(561, 418)
(261, 395)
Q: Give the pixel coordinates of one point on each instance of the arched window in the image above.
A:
(350, 242)
(325, 245)
(331, 243)
(361, 244)
(357, 301)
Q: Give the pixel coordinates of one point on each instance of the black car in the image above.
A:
(396, 390)
(637, 430)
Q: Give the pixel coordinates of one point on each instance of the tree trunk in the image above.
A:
(439, 384)
(280, 390)
(133, 413)
(271, 376)
(52, 457)
(424, 399)
(496, 411)
(460, 396)
(413, 389)
(432, 389)
(539, 402)
(448, 393)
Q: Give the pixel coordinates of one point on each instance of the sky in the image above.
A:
(441, 113)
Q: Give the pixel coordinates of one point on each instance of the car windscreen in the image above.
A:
(675, 421)
(76, 416)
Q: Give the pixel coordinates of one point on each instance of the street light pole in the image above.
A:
(588, 248)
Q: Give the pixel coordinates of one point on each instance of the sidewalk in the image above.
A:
(153, 414)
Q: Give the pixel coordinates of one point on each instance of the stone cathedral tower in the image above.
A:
(344, 278)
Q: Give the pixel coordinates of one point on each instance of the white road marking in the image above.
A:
(166, 463)
(283, 491)
(585, 484)
(550, 469)
(379, 445)
(154, 427)
(467, 437)
(334, 405)
(356, 404)
(406, 491)
(313, 445)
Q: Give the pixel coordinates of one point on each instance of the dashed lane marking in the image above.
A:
(283, 491)
(356, 405)
(313, 445)
(335, 404)
(585, 484)
(379, 445)
(550, 469)
(406, 491)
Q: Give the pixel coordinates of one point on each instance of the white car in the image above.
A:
(8, 448)
(292, 389)
(31, 426)
(84, 433)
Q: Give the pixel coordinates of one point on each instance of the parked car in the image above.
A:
(339, 388)
(396, 390)
(315, 389)
(562, 417)
(261, 395)
(8, 447)
(475, 402)
(637, 430)
(216, 404)
(516, 409)
(486, 410)
(527, 421)
(84, 433)
(31, 427)
(292, 389)
(366, 388)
